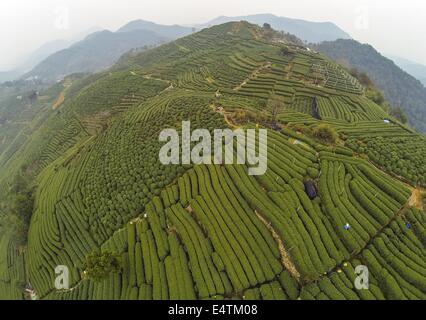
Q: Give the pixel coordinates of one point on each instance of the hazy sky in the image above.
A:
(392, 26)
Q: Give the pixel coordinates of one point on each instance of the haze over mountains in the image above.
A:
(96, 52)
(41, 53)
(34, 58)
(415, 69)
(101, 49)
(172, 32)
(79, 57)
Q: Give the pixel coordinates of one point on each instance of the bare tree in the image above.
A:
(275, 106)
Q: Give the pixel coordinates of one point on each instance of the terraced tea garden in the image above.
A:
(213, 231)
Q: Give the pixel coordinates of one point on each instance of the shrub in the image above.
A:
(325, 133)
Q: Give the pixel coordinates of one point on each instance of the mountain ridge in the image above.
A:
(111, 45)
(306, 30)
(415, 69)
(169, 31)
(97, 51)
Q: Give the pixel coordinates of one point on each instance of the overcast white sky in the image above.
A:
(392, 26)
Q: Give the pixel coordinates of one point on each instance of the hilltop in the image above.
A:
(309, 31)
(90, 163)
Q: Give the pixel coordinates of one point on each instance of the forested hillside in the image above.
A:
(92, 172)
(400, 88)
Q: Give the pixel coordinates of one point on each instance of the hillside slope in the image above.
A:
(213, 231)
(400, 88)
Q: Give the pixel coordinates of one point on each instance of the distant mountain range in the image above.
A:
(400, 88)
(33, 59)
(61, 57)
(308, 31)
(417, 70)
(97, 52)
(42, 53)
(102, 49)
(171, 32)
(9, 75)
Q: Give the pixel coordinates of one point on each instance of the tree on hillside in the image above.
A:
(362, 77)
(376, 96)
(275, 106)
(398, 113)
(32, 97)
(285, 50)
(99, 265)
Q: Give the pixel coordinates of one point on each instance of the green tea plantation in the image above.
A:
(344, 184)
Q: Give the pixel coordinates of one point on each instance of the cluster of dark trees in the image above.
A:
(99, 265)
(17, 206)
